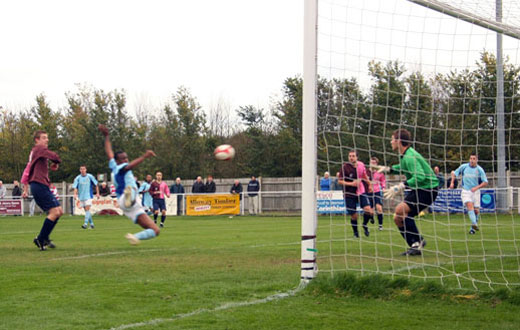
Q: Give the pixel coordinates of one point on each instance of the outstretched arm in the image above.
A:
(108, 145)
(137, 161)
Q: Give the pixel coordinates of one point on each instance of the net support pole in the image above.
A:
(502, 205)
(309, 142)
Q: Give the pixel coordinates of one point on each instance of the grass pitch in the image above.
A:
(200, 273)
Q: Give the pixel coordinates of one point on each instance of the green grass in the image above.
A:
(96, 280)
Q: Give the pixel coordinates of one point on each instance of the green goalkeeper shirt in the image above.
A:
(417, 171)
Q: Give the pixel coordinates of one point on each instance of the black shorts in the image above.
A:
(352, 201)
(43, 196)
(159, 205)
(419, 199)
(375, 198)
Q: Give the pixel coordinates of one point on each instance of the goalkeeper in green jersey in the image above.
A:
(423, 185)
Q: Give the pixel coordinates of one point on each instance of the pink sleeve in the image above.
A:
(25, 175)
(166, 189)
(383, 181)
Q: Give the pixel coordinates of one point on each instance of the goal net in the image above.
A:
(433, 68)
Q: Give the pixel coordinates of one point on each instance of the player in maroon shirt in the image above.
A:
(36, 174)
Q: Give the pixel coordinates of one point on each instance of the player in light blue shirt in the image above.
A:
(126, 189)
(473, 179)
(84, 192)
(147, 198)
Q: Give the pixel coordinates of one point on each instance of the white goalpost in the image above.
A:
(448, 71)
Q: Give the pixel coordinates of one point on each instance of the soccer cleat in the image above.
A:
(415, 249)
(472, 231)
(380, 228)
(367, 232)
(356, 235)
(128, 197)
(161, 225)
(91, 226)
(475, 227)
(39, 244)
(84, 226)
(50, 244)
(132, 239)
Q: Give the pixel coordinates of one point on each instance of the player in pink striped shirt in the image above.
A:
(378, 185)
(158, 189)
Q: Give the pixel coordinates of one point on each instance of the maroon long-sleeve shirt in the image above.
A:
(39, 164)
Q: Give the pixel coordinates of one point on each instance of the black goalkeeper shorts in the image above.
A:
(419, 199)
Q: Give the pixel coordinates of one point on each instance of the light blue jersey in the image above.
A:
(85, 185)
(471, 176)
(147, 198)
(122, 178)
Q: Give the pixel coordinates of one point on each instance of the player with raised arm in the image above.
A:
(352, 176)
(126, 189)
(83, 186)
(473, 179)
(423, 185)
(36, 175)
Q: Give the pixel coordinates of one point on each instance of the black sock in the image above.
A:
(155, 217)
(46, 229)
(163, 217)
(54, 224)
(411, 230)
(403, 233)
(366, 219)
(380, 219)
(354, 226)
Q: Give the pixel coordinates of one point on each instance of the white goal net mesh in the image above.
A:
(394, 64)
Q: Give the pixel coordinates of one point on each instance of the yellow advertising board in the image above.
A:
(212, 204)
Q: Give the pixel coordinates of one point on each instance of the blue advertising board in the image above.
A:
(449, 201)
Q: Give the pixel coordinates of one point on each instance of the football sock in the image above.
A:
(163, 217)
(366, 219)
(354, 226)
(46, 229)
(380, 219)
(155, 217)
(145, 234)
(87, 217)
(412, 232)
(472, 217)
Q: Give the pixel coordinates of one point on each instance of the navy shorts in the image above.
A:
(159, 205)
(43, 196)
(419, 199)
(352, 201)
(375, 198)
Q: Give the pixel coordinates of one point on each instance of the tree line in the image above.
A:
(449, 114)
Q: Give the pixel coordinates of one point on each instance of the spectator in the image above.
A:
(210, 187)
(178, 189)
(439, 176)
(198, 186)
(17, 192)
(236, 188)
(253, 187)
(325, 183)
(104, 190)
(2, 189)
(455, 183)
(335, 184)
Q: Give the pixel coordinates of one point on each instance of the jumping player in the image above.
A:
(83, 191)
(423, 185)
(36, 175)
(473, 179)
(126, 189)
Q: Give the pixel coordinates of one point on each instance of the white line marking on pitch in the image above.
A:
(225, 306)
(110, 254)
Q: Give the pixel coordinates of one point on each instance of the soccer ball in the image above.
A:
(224, 152)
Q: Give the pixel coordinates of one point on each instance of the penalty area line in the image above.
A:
(225, 306)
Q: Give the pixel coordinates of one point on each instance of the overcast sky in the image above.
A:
(232, 51)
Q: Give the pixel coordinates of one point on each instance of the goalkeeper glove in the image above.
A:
(380, 169)
(394, 191)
